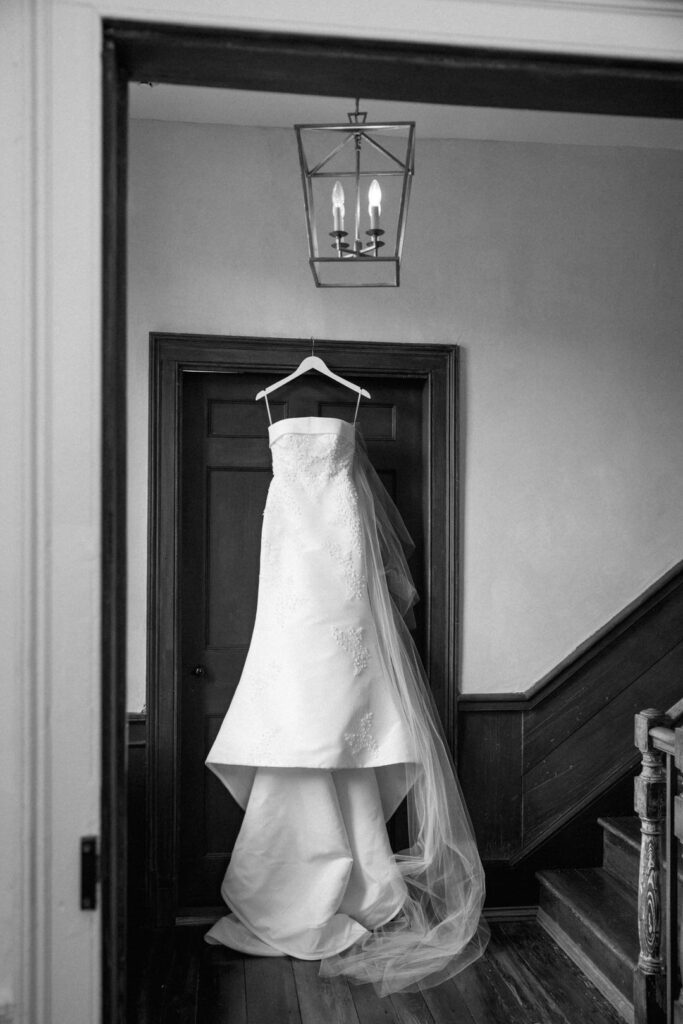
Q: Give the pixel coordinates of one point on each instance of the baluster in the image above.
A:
(649, 981)
(678, 831)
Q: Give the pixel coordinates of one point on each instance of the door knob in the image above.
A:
(199, 671)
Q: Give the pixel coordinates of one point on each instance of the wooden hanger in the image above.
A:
(312, 363)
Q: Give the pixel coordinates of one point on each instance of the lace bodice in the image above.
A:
(313, 491)
(312, 449)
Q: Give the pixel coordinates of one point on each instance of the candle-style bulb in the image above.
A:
(374, 204)
(338, 196)
(374, 196)
(338, 206)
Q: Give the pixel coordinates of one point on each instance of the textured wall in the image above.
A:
(557, 270)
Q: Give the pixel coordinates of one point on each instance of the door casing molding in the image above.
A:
(172, 356)
(182, 54)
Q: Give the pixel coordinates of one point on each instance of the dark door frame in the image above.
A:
(138, 51)
(172, 357)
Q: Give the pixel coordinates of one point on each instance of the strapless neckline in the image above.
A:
(311, 425)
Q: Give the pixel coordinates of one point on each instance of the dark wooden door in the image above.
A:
(225, 474)
(210, 469)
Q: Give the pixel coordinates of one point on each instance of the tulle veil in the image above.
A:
(440, 929)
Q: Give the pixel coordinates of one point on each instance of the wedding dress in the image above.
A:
(331, 727)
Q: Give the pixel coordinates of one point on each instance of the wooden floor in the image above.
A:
(523, 979)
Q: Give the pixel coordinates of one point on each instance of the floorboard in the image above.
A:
(370, 1009)
(488, 997)
(579, 1000)
(322, 1000)
(150, 958)
(447, 1004)
(181, 993)
(223, 993)
(410, 1008)
(524, 978)
(531, 992)
(271, 991)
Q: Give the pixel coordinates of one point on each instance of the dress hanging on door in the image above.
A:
(331, 727)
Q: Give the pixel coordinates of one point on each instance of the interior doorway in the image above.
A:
(210, 471)
(138, 52)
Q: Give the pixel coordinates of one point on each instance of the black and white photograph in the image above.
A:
(342, 517)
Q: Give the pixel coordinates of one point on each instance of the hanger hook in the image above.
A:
(312, 345)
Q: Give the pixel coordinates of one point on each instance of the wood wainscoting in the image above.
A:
(537, 769)
(537, 766)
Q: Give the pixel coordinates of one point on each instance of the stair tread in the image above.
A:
(602, 904)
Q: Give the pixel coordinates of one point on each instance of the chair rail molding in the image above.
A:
(538, 759)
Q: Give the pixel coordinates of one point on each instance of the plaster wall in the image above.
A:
(557, 271)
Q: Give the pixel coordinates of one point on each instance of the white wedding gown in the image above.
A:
(330, 728)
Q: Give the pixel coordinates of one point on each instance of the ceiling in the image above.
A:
(201, 105)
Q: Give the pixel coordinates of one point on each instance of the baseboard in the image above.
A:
(208, 915)
(611, 993)
(526, 913)
(194, 917)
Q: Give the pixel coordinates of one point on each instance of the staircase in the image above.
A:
(592, 913)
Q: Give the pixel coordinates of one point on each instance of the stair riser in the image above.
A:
(613, 966)
(621, 860)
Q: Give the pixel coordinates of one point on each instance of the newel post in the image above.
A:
(677, 990)
(649, 981)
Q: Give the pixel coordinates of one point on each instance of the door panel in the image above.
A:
(225, 472)
(233, 498)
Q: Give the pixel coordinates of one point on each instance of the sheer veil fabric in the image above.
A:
(403, 921)
(439, 929)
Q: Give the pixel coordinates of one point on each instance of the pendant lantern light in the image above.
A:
(356, 179)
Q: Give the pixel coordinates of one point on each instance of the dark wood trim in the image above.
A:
(601, 640)
(471, 703)
(578, 717)
(113, 680)
(172, 356)
(609, 635)
(470, 76)
(445, 434)
(490, 773)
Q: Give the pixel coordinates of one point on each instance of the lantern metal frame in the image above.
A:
(363, 138)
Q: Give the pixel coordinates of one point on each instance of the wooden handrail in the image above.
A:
(663, 739)
(675, 713)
